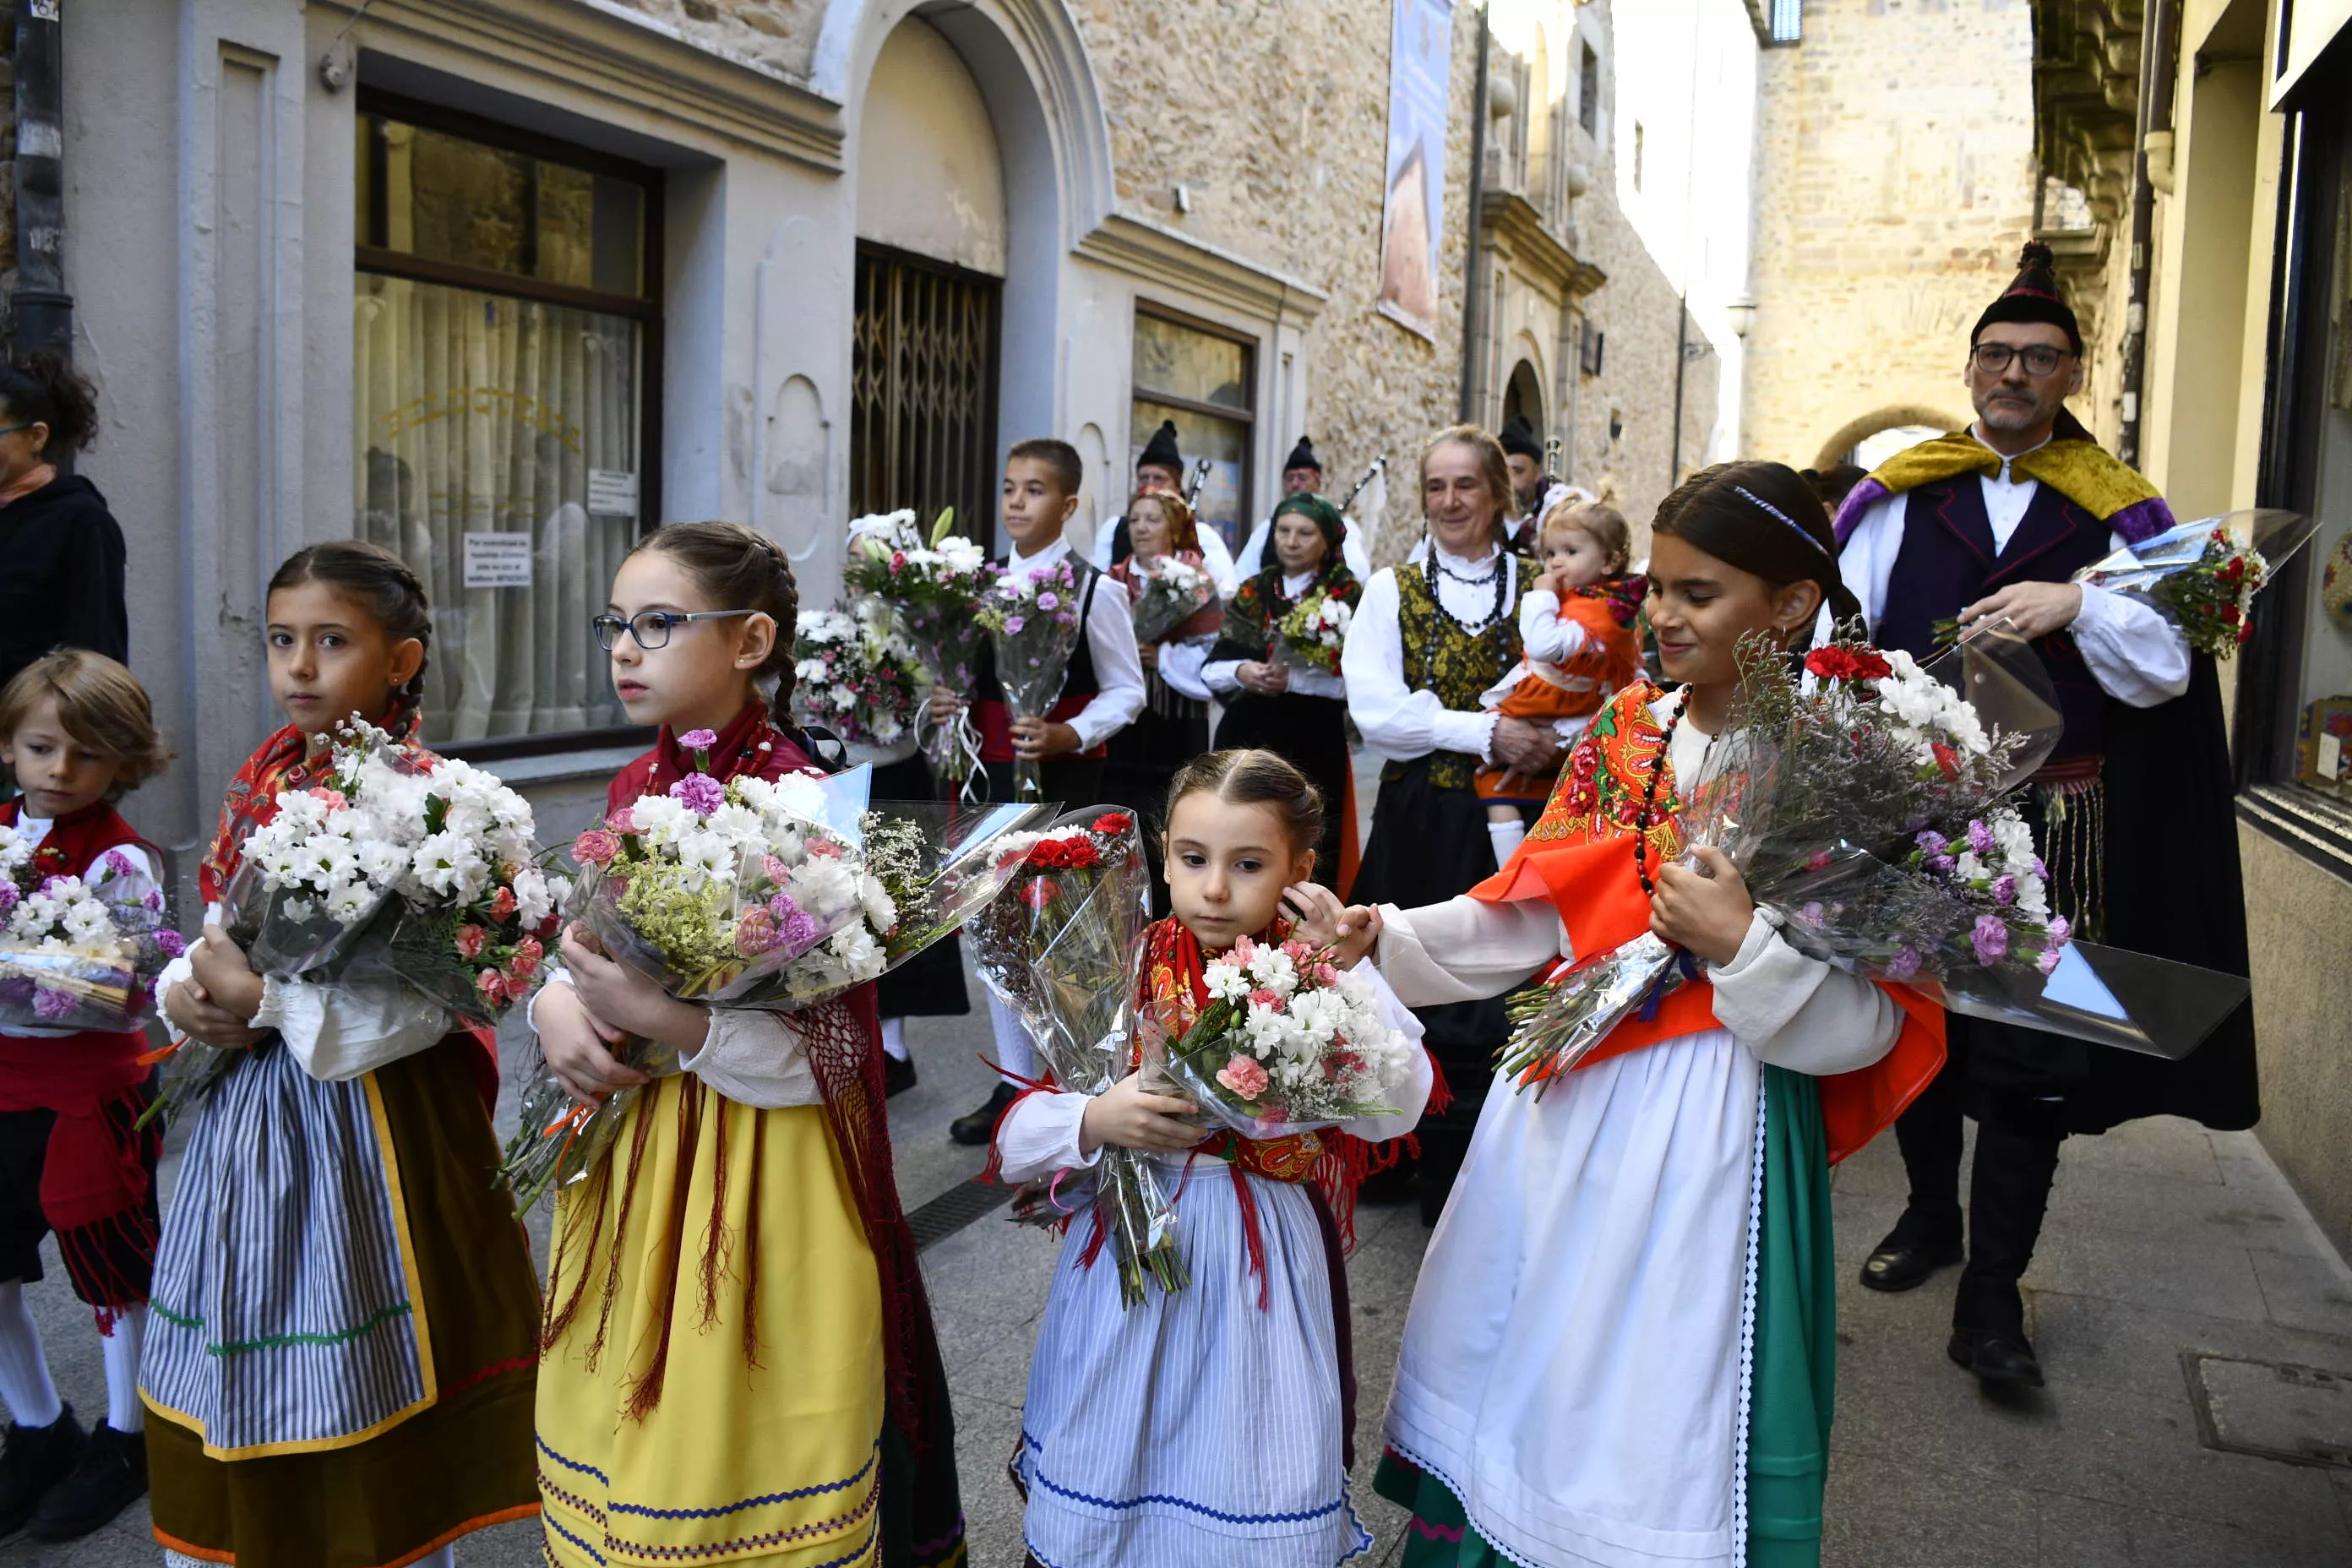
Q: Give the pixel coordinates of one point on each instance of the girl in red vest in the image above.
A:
(77, 730)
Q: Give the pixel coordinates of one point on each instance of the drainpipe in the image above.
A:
(41, 308)
(1474, 291)
(2156, 71)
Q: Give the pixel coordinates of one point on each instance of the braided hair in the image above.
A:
(740, 568)
(375, 578)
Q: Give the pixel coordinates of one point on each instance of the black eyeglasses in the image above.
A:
(2040, 359)
(651, 627)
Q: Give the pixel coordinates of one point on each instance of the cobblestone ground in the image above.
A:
(2163, 1241)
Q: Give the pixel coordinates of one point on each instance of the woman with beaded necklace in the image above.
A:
(1428, 638)
(1622, 1348)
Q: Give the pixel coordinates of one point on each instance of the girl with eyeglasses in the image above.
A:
(738, 1356)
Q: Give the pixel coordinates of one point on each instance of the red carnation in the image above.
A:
(1113, 823)
(1946, 759)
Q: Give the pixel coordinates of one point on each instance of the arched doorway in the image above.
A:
(1523, 398)
(930, 267)
(1914, 421)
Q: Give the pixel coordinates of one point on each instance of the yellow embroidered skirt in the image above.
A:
(667, 1433)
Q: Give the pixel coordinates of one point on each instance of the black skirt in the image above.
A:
(930, 984)
(1311, 734)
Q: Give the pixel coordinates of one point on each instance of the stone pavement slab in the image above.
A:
(2162, 1239)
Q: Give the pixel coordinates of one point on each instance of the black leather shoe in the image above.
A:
(1901, 1264)
(32, 1460)
(980, 1126)
(1995, 1358)
(112, 1475)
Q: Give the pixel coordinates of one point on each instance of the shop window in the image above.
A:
(505, 326)
(922, 426)
(2294, 719)
(1204, 379)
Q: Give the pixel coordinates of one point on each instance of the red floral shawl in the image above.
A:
(843, 1042)
(1579, 856)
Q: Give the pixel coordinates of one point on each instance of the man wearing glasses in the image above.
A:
(2132, 814)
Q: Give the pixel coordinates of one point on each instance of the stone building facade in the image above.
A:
(1895, 188)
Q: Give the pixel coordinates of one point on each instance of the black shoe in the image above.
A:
(32, 1460)
(1995, 1357)
(980, 1126)
(897, 1074)
(112, 1475)
(1900, 1264)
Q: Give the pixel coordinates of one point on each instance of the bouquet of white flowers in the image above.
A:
(1169, 593)
(1288, 1043)
(933, 582)
(857, 674)
(78, 954)
(396, 864)
(1314, 634)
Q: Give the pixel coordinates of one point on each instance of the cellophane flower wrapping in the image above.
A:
(78, 952)
(856, 673)
(1062, 946)
(1288, 1043)
(1314, 634)
(1035, 623)
(1169, 593)
(751, 893)
(398, 865)
(934, 583)
(1867, 805)
(2203, 576)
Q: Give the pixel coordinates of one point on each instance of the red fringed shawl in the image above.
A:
(1580, 856)
(843, 1040)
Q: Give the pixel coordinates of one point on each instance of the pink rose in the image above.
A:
(470, 939)
(596, 847)
(1244, 1077)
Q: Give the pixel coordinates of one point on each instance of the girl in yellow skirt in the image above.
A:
(738, 1362)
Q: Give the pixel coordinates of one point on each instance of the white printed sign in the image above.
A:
(612, 492)
(497, 560)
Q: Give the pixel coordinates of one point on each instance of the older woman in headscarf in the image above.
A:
(1289, 702)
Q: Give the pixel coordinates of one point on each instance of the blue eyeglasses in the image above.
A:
(652, 627)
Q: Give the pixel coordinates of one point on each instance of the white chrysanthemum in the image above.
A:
(450, 866)
(534, 898)
(658, 817)
(881, 911)
(349, 901)
(823, 886)
(1272, 968)
(1225, 981)
(737, 824)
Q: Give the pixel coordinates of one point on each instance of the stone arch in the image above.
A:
(1523, 395)
(1856, 431)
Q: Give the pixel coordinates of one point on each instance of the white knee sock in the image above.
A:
(24, 1385)
(1015, 1051)
(894, 1039)
(445, 1558)
(124, 1410)
(1506, 837)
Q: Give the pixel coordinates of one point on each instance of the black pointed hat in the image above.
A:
(2032, 296)
(1518, 438)
(1303, 457)
(1160, 450)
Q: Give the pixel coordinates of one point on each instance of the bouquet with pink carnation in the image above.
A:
(1290, 1043)
(77, 953)
(1035, 624)
(933, 581)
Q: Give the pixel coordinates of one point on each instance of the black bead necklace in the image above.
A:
(1643, 818)
(1499, 575)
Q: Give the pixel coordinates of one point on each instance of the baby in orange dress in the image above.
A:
(1579, 627)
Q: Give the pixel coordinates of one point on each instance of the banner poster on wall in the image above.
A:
(1420, 53)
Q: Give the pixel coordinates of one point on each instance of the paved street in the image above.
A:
(2163, 1240)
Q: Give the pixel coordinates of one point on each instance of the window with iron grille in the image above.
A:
(1787, 21)
(1202, 378)
(922, 429)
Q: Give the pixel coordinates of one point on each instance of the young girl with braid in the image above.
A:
(341, 1352)
(1622, 1344)
(739, 1364)
(1213, 1424)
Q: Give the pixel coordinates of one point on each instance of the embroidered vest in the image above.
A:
(1440, 656)
(76, 840)
(1947, 561)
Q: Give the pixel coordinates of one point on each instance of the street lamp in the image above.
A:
(1742, 312)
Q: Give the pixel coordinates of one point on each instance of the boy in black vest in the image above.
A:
(1101, 695)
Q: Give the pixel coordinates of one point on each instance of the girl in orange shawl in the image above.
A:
(1621, 1349)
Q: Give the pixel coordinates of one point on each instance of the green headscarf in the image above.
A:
(1315, 510)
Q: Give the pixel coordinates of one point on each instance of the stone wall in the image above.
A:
(777, 36)
(1896, 188)
(1282, 155)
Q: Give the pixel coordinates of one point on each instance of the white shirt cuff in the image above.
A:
(755, 1059)
(1039, 1135)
